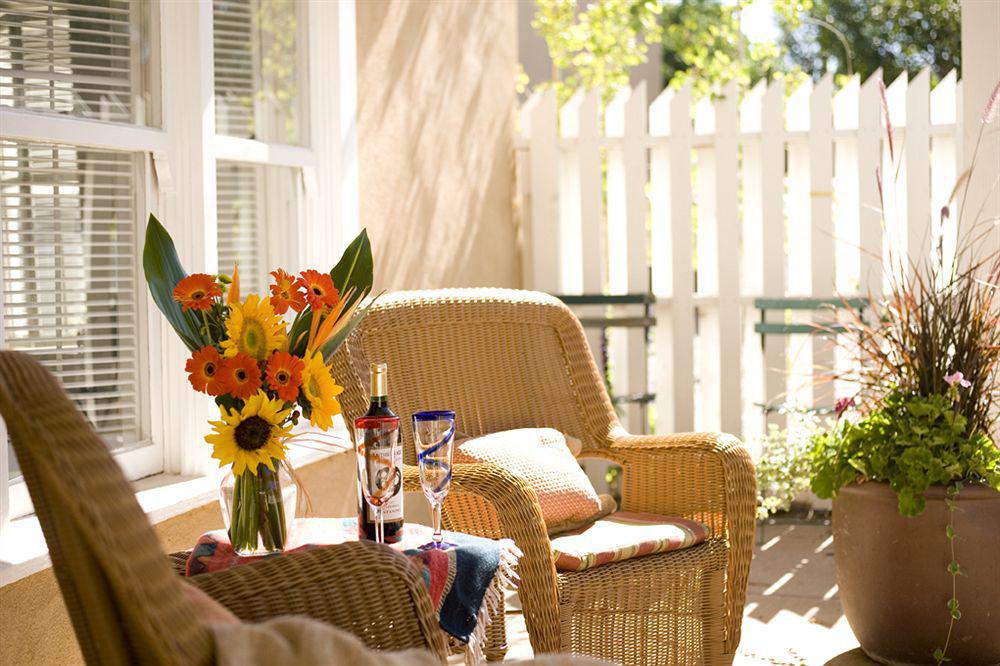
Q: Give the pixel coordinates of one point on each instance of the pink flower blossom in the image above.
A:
(957, 378)
(842, 405)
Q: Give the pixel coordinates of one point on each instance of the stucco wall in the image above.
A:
(435, 123)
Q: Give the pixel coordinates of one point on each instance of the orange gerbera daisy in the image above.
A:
(284, 375)
(320, 292)
(203, 371)
(285, 293)
(240, 375)
(195, 292)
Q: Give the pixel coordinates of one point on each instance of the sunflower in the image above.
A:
(195, 292)
(252, 436)
(203, 371)
(285, 293)
(240, 375)
(284, 375)
(320, 292)
(321, 392)
(252, 328)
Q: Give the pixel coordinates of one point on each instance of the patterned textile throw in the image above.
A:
(465, 583)
(623, 536)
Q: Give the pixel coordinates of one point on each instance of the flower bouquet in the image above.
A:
(264, 373)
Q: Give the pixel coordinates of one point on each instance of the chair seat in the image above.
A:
(624, 535)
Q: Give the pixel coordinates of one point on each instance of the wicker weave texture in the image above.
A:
(505, 359)
(123, 596)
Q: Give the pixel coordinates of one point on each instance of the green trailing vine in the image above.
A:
(954, 569)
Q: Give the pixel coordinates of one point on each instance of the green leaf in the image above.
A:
(356, 268)
(954, 569)
(163, 271)
(950, 532)
(939, 655)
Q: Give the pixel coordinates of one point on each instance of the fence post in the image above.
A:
(728, 317)
(542, 262)
(916, 153)
(945, 166)
(670, 115)
(581, 201)
(628, 208)
(869, 157)
(821, 234)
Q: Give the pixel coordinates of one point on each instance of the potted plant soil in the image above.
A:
(912, 463)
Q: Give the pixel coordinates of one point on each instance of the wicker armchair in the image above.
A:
(124, 600)
(506, 359)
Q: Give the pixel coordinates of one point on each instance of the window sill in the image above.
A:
(23, 550)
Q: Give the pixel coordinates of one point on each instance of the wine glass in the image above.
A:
(434, 436)
(381, 478)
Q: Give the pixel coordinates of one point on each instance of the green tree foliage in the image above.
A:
(859, 36)
(703, 44)
(597, 46)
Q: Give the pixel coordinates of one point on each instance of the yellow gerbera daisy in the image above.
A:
(253, 328)
(321, 391)
(252, 436)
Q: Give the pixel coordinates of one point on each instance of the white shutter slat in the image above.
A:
(70, 288)
(72, 58)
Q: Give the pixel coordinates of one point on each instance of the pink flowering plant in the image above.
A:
(927, 368)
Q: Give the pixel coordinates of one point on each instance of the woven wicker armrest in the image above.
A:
(361, 587)
(490, 501)
(707, 477)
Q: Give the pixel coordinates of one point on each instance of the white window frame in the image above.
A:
(177, 177)
(146, 456)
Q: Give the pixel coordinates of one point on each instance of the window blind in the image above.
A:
(76, 57)
(257, 71)
(234, 67)
(70, 278)
(239, 219)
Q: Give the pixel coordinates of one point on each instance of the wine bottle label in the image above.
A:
(393, 509)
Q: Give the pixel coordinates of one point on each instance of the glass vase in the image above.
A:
(259, 508)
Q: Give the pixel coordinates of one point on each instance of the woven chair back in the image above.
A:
(502, 359)
(125, 603)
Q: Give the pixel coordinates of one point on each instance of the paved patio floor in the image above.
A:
(793, 615)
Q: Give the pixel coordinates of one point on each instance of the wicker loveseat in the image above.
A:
(126, 604)
(505, 359)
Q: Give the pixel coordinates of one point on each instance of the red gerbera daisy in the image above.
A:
(195, 292)
(285, 293)
(240, 375)
(203, 371)
(319, 290)
(284, 375)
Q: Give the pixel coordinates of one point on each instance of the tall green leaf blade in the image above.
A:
(356, 268)
(163, 271)
(335, 341)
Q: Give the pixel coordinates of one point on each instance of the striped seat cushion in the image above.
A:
(624, 535)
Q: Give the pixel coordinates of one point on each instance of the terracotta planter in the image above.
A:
(893, 578)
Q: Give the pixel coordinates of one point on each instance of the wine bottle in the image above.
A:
(379, 429)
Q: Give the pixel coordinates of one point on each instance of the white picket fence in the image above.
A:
(718, 202)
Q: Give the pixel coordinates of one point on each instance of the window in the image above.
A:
(258, 75)
(82, 58)
(69, 275)
(83, 162)
(70, 211)
(258, 69)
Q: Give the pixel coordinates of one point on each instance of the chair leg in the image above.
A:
(496, 634)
